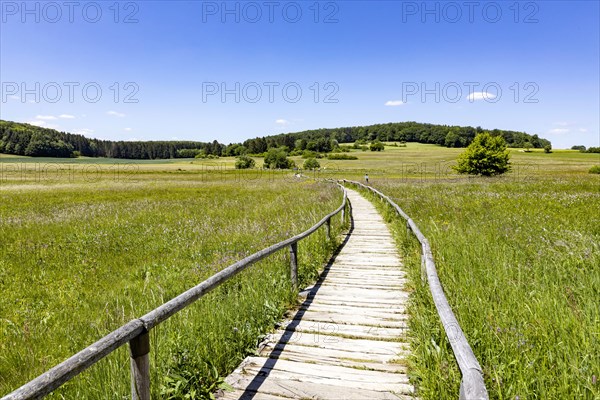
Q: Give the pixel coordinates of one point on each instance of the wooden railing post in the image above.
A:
(328, 228)
(140, 366)
(294, 265)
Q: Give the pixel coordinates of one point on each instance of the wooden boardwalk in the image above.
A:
(348, 339)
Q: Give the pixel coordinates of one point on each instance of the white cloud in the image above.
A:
(46, 117)
(115, 114)
(127, 129)
(394, 103)
(558, 131)
(481, 96)
(37, 123)
(282, 122)
(66, 116)
(83, 131)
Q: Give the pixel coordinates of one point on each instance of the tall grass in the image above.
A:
(81, 259)
(520, 265)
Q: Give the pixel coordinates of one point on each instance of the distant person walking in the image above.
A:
(367, 178)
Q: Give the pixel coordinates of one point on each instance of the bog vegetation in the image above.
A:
(79, 259)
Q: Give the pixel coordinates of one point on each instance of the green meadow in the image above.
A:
(89, 244)
(85, 250)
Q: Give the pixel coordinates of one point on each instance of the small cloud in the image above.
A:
(37, 123)
(282, 122)
(394, 103)
(558, 131)
(481, 96)
(127, 129)
(46, 117)
(583, 130)
(83, 131)
(115, 114)
(66, 116)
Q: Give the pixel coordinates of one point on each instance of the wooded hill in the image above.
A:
(29, 140)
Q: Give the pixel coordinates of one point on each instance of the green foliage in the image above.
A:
(244, 162)
(276, 158)
(486, 156)
(311, 164)
(593, 150)
(580, 148)
(527, 146)
(377, 146)
(311, 154)
(341, 157)
(595, 169)
(548, 149)
(189, 153)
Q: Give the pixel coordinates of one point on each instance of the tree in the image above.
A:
(377, 146)
(276, 158)
(527, 146)
(548, 148)
(311, 163)
(486, 155)
(244, 162)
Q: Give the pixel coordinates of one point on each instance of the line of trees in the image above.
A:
(30, 140)
(321, 140)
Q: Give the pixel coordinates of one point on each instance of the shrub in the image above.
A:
(548, 148)
(244, 162)
(595, 169)
(309, 154)
(580, 148)
(311, 164)
(341, 157)
(486, 155)
(377, 146)
(593, 150)
(276, 158)
(527, 146)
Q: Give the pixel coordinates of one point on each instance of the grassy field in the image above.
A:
(519, 258)
(86, 250)
(89, 244)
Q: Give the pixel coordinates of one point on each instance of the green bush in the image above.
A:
(311, 164)
(244, 162)
(548, 148)
(593, 150)
(580, 148)
(486, 155)
(310, 154)
(595, 169)
(377, 146)
(276, 158)
(340, 156)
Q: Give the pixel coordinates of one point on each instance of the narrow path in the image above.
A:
(347, 340)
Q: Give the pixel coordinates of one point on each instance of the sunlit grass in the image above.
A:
(520, 265)
(79, 259)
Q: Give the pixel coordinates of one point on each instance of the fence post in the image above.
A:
(328, 228)
(140, 366)
(294, 265)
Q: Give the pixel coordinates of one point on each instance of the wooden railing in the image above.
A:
(136, 332)
(472, 386)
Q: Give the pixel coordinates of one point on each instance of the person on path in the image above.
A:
(367, 178)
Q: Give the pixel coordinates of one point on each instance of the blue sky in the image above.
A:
(155, 70)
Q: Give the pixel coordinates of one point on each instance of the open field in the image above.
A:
(90, 243)
(84, 253)
(520, 265)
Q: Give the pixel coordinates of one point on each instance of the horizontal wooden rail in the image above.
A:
(472, 386)
(136, 331)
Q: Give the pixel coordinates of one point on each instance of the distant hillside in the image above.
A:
(29, 140)
(444, 135)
